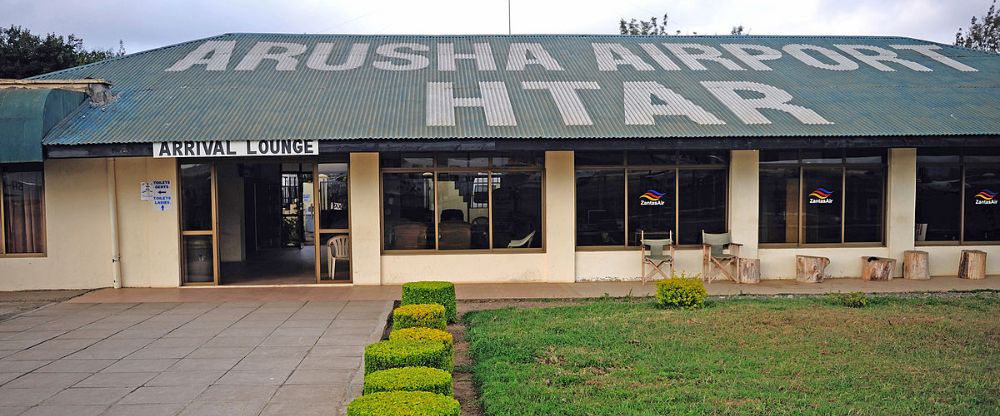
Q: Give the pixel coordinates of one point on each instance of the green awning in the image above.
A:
(27, 115)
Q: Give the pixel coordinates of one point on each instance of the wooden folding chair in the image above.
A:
(715, 258)
(656, 256)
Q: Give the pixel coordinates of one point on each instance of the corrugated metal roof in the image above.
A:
(26, 115)
(312, 96)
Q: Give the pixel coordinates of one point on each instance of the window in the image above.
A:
(957, 196)
(22, 200)
(621, 195)
(462, 201)
(822, 196)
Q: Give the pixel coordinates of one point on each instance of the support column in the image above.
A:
(366, 220)
(560, 217)
(901, 202)
(744, 204)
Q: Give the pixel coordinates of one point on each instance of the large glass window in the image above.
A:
(22, 196)
(957, 196)
(620, 195)
(462, 201)
(822, 196)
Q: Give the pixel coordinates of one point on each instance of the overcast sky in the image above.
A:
(146, 24)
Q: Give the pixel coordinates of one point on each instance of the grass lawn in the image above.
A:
(927, 355)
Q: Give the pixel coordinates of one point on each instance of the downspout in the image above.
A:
(116, 257)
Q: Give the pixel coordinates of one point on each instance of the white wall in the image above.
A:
(148, 238)
(78, 232)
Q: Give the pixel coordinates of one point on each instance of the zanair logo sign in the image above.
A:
(651, 197)
(821, 196)
(986, 197)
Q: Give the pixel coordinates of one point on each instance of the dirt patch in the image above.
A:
(16, 303)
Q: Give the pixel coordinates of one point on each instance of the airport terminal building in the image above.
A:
(271, 159)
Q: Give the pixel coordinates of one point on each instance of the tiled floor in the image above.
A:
(485, 291)
(227, 358)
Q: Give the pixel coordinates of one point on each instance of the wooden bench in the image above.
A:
(915, 265)
(972, 265)
(811, 269)
(877, 268)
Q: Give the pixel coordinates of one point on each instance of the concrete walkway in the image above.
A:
(524, 290)
(219, 358)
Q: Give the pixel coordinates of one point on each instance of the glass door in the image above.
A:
(200, 261)
(332, 223)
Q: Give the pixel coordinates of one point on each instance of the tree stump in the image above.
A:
(811, 269)
(915, 265)
(749, 270)
(877, 268)
(972, 265)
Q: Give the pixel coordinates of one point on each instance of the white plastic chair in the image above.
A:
(522, 243)
(338, 248)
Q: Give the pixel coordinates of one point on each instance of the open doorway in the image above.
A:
(274, 220)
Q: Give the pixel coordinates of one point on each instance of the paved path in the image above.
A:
(488, 291)
(225, 358)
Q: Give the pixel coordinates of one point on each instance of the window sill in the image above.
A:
(768, 246)
(23, 255)
(446, 252)
(955, 243)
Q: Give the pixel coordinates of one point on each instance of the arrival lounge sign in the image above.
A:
(236, 148)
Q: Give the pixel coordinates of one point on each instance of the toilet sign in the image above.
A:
(162, 195)
(145, 191)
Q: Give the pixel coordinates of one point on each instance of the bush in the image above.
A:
(419, 315)
(850, 300)
(680, 292)
(384, 355)
(425, 334)
(429, 379)
(403, 403)
(441, 293)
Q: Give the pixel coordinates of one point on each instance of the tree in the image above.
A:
(983, 34)
(644, 27)
(23, 54)
(655, 27)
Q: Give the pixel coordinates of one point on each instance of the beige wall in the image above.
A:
(744, 183)
(560, 217)
(366, 219)
(78, 232)
(149, 238)
(465, 268)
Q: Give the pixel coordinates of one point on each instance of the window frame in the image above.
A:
(962, 166)
(626, 169)
(489, 169)
(843, 166)
(23, 167)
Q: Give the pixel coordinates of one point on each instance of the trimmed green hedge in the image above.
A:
(423, 334)
(426, 334)
(404, 403)
(434, 380)
(384, 355)
(679, 292)
(419, 315)
(441, 293)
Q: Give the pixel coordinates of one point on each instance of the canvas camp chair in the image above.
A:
(656, 257)
(715, 258)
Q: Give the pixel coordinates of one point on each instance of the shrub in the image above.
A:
(419, 315)
(429, 379)
(441, 293)
(384, 355)
(403, 403)
(425, 334)
(850, 300)
(680, 292)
